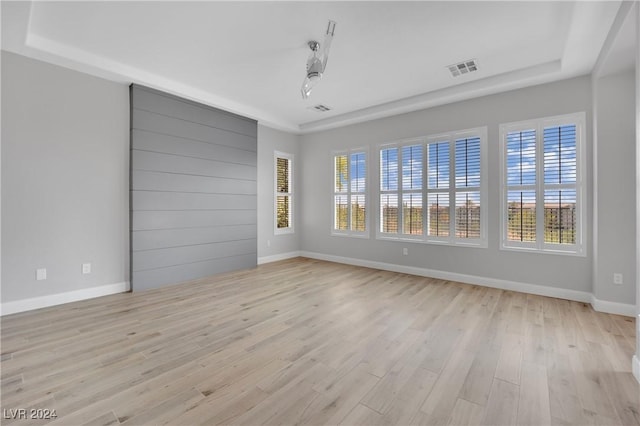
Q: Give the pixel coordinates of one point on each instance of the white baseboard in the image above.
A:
(613, 307)
(579, 296)
(277, 257)
(635, 367)
(561, 293)
(62, 298)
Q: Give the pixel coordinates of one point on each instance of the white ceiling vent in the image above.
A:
(463, 67)
(320, 108)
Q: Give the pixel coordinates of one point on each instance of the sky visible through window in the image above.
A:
(438, 165)
(559, 159)
(358, 172)
(412, 167)
(389, 169)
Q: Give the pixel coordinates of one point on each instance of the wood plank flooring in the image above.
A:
(310, 342)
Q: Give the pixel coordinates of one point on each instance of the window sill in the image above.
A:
(350, 235)
(284, 231)
(471, 244)
(532, 250)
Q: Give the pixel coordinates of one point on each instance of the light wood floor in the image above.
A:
(311, 342)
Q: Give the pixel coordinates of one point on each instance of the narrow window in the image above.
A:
(350, 215)
(412, 190)
(438, 165)
(467, 190)
(284, 192)
(389, 190)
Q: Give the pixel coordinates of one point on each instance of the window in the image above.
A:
(542, 184)
(401, 186)
(438, 200)
(432, 189)
(350, 193)
(284, 192)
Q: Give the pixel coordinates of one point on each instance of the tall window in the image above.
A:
(389, 167)
(284, 192)
(350, 193)
(438, 188)
(433, 190)
(401, 170)
(542, 184)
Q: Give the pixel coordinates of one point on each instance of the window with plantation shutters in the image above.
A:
(412, 167)
(434, 190)
(467, 171)
(559, 163)
(350, 216)
(283, 192)
(542, 184)
(389, 190)
(438, 200)
(521, 185)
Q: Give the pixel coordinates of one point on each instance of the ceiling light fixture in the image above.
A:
(317, 63)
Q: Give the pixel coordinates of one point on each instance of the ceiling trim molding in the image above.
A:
(625, 9)
(70, 57)
(24, 40)
(469, 90)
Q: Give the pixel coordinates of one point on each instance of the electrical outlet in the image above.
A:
(268, 243)
(86, 268)
(405, 251)
(617, 278)
(41, 274)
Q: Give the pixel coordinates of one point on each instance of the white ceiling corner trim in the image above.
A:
(517, 44)
(81, 60)
(25, 42)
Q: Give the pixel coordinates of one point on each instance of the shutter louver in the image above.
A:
(467, 172)
(559, 182)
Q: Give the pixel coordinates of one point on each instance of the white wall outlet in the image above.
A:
(86, 268)
(405, 251)
(268, 243)
(41, 274)
(617, 278)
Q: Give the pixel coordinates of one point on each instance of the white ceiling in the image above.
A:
(249, 57)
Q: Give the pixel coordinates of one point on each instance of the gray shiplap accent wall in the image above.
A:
(193, 190)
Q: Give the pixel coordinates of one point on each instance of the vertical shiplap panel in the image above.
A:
(193, 190)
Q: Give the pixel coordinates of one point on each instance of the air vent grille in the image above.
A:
(320, 108)
(463, 67)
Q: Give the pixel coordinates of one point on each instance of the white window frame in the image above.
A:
(349, 193)
(449, 137)
(290, 157)
(539, 246)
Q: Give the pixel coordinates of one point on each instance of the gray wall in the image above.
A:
(193, 190)
(637, 122)
(269, 243)
(568, 272)
(65, 161)
(615, 219)
(65, 156)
